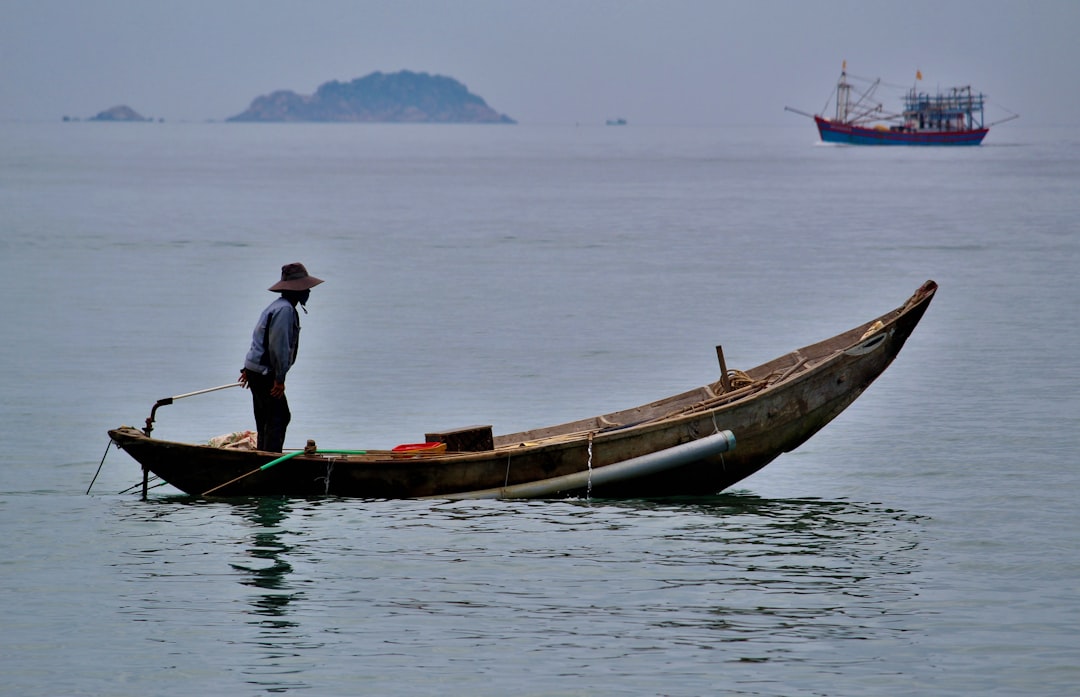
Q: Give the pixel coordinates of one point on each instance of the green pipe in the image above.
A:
(293, 454)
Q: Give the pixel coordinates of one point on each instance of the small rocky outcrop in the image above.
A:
(119, 113)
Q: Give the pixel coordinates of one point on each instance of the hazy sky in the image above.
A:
(707, 62)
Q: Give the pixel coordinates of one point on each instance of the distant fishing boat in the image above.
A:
(955, 116)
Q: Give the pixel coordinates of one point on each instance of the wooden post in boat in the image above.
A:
(725, 382)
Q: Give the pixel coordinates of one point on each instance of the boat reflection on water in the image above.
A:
(269, 569)
(732, 580)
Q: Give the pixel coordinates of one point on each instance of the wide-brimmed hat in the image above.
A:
(295, 277)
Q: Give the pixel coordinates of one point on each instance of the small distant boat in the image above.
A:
(951, 117)
(680, 445)
(616, 122)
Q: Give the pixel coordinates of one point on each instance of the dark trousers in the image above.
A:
(272, 414)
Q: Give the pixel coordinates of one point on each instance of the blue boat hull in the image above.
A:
(857, 135)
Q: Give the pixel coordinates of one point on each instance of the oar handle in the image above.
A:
(165, 401)
(208, 389)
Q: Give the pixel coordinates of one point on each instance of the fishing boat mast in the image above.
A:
(843, 95)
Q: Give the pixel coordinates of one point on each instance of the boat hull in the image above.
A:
(785, 402)
(832, 132)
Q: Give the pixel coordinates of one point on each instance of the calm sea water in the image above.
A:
(924, 543)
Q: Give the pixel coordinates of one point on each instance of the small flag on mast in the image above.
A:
(918, 74)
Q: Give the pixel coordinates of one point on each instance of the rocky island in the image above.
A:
(402, 97)
(119, 113)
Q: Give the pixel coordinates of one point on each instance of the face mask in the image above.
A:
(302, 298)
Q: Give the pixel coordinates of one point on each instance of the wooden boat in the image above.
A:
(698, 442)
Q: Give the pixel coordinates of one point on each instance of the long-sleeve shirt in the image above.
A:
(275, 340)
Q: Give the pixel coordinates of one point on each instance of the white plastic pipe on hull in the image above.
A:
(652, 463)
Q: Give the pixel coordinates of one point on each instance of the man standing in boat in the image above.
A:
(273, 351)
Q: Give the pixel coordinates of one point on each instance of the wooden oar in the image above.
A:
(268, 465)
(283, 458)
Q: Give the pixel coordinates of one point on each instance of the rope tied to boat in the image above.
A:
(329, 470)
(588, 487)
(99, 467)
(739, 379)
(716, 429)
